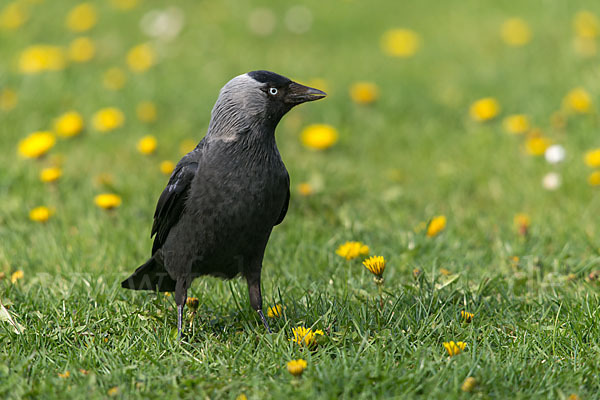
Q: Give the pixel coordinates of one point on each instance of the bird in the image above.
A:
(223, 198)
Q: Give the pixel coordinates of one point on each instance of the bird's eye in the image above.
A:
(273, 91)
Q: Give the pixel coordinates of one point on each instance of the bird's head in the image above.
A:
(258, 99)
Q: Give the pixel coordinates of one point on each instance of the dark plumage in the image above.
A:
(216, 214)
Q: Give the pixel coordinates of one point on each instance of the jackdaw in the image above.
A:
(224, 197)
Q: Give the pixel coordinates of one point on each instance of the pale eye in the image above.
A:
(272, 91)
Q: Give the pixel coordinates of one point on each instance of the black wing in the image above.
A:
(172, 200)
(286, 204)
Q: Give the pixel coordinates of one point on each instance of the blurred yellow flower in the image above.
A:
(522, 223)
(305, 336)
(38, 58)
(141, 57)
(124, 4)
(376, 265)
(113, 391)
(15, 276)
(364, 92)
(469, 384)
(69, 124)
(107, 200)
(81, 49)
(319, 136)
(114, 78)
(578, 100)
(166, 167)
(8, 99)
(50, 174)
(536, 145)
(40, 214)
(454, 348)
(37, 144)
(275, 311)
(296, 367)
(586, 25)
(484, 109)
(437, 224)
(193, 303)
(147, 144)
(146, 111)
(400, 42)
(186, 146)
(64, 375)
(516, 124)
(592, 158)
(241, 396)
(351, 250)
(108, 119)
(515, 32)
(467, 316)
(305, 189)
(81, 18)
(13, 15)
(594, 178)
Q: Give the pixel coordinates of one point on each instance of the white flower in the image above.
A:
(551, 181)
(163, 24)
(555, 154)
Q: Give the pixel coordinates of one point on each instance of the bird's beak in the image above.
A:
(298, 94)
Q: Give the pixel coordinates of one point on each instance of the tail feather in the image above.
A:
(150, 276)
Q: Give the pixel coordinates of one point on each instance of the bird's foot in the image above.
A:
(264, 320)
(179, 321)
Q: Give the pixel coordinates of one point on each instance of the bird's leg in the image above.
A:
(256, 298)
(180, 298)
(179, 320)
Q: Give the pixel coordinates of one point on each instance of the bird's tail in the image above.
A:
(150, 276)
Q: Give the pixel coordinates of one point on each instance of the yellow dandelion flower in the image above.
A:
(578, 100)
(594, 178)
(364, 92)
(484, 109)
(113, 391)
(351, 250)
(469, 384)
(241, 396)
(296, 367)
(305, 336)
(15, 276)
(586, 25)
(275, 311)
(522, 222)
(64, 375)
(8, 99)
(69, 124)
(515, 32)
(319, 136)
(124, 4)
(592, 158)
(107, 201)
(400, 42)
(186, 146)
(375, 264)
(193, 303)
(437, 224)
(167, 167)
(114, 78)
(516, 124)
(108, 119)
(141, 57)
(50, 174)
(146, 111)
(454, 348)
(13, 16)
(467, 316)
(40, 214)
(305, 189)
(81, 50)
(38, 58)
(536, 145)
(81, 18)
(36, 145)
(147, 144)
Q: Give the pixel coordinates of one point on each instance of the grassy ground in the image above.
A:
(413, 154)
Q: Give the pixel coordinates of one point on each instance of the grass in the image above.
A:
(410, 156)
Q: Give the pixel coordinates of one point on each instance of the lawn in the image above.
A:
(519, 249)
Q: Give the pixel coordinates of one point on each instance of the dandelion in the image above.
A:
(15, 276)
(50, 174)
(167, 167)
(192, 303)
(40, 214)
(573, 396)
(296, 367)
(147, 145)
(36, 145)
(351, 250)
(108, 119)
(437, 225)
(275, 311)
(578, 100)
(592, 158)
(364, 92)
(141, 57)
(536, 144)
(454, 348)
(516, 124)
(551, 181)
(467, 316)
(64, 375)
(186, 146)
(376, 265)
(515, 32)
(305, 336)
(8, 99)
(522, 222)
(555, 154)
(68, 124)
(484, 109)
(107, 201)
(469, 384)
(81, 18)
(305, 189)
(402, 43)
(586, 25)
(319, 136)
(84, 371)
(124, 4)
(445, 271)
(242, 396)
(113, 391)
(594, 178)
(38, 58)
(13, 16)
(114, 78)
(146, 111)
(81, 50)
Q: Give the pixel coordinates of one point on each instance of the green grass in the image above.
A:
(412, 155)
